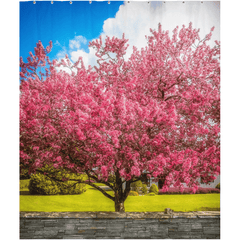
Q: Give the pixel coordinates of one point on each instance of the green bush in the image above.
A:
(218, 186)
(111, 179)
(24, 184)
(43, 185)
(136, 186)
(144, 189)
(153, 189)
(24, 174)
(133, 193)
(151, 194)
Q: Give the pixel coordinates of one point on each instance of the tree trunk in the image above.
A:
(119, 206)
(119, 194)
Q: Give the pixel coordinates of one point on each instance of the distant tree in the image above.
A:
(156, 113)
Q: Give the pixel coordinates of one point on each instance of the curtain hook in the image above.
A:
(70, 2)
(108, 2)
(34, 2)
(90, 2)
(51, 2)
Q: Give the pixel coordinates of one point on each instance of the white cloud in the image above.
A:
(88, 58)
(136, 18)
(76, 42)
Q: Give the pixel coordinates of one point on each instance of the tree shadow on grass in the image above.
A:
(25, 193)
(209, 209)
(28, 193)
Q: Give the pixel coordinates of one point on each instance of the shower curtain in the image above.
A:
(118, 100)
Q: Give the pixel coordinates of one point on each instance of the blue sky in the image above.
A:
(62, 22)
(72, 26)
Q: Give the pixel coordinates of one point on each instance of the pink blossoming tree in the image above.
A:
(156, 113)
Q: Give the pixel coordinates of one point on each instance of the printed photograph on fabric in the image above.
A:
(119, 119)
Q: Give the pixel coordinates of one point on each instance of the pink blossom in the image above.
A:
(156, 113)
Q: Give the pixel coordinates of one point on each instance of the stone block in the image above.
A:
(172, 229)
(208, 216)
(211, 236)
(135, 215)
(87, 232)
(49, 220)
(83, 227)
(39, 237)
(208, 220)
(211, 230)
(211, 224)
(89, 221)
(26, 231)
(196, 226)
(164, 221)
(144, 234)
(162, 231)
(129, 235)
(72, 232)
(56, 228)
(45, 233)
(34, 224)
(32, 220)
(184, 227)
(70, 221)
(111, 215)
(131, 225)
(179, 235)
(159, 236)
(73, 237)
(154, 215)
(180, 220)
(115, 226)
(108, 234)
(135, 229)
(154, 226)
(69, 227)
(198, 236)
(119, 220)
(26, 235)
(34, 229)
(98, 227)
(83, 215)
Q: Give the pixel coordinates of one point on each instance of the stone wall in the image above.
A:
(111, 225)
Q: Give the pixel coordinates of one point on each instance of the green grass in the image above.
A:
(93, 200)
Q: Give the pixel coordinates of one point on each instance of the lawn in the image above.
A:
(93, 200)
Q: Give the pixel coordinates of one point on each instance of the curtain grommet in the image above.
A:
(34, 2)
(90, 2)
